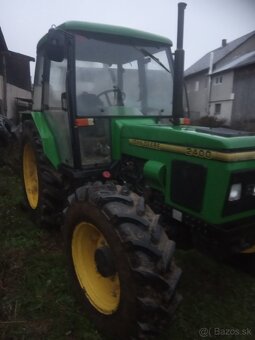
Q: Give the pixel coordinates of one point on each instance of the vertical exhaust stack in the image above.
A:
(179, 68)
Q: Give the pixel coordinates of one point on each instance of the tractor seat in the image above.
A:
(88, 104)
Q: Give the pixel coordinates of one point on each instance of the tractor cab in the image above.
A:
(86, 75)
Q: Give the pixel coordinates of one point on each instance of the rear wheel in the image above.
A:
(30, 173)
(41, 183)
(121, 261)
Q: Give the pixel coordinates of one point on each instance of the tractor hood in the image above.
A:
(212, 143)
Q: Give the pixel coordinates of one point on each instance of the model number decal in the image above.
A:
(201, 153)
(145, 143)
(194, 152)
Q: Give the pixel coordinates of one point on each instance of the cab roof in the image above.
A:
(83, 26)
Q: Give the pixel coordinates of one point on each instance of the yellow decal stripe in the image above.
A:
(194, 152)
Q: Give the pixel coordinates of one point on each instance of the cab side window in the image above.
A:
(57, 83)
(38, 83)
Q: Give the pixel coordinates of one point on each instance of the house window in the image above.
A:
(217, 109)
(196, 85)
(218, 80)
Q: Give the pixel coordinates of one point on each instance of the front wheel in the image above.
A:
(121, 261)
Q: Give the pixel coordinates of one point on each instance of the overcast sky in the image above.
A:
(207, 22)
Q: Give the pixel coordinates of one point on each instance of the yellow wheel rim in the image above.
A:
(30, 176)
(102, 292)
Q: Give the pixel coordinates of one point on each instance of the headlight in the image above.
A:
(235, 192)
(251, 189)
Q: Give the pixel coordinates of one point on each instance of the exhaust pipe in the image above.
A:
(179, 68)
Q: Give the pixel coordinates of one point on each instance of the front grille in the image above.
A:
(188, 184)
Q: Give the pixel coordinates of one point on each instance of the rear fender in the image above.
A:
(46, 135)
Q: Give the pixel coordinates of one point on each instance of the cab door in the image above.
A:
(55, 108)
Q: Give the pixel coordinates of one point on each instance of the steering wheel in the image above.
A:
(120, 95)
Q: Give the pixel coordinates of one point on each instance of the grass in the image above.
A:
(36, 301)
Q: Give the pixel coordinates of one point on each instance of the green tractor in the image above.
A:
(106, 154)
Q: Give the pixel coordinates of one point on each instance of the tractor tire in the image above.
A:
(121, 261)
(42, 185)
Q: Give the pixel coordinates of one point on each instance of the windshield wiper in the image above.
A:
(148, 54)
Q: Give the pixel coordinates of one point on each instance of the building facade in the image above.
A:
(15, 81)
(222, 82)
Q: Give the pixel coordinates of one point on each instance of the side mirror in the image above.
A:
(56, 45)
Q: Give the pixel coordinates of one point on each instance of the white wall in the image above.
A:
(197, 94)
(12, 93)
(222, 93)
(226, 110)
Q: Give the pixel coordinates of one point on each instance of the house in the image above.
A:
(15, 79)
(222, 82)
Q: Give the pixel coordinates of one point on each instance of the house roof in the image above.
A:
(218, 54)
(3, 46)
(246, 59)
(20, 56)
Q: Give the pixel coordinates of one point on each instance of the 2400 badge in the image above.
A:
(201, 153)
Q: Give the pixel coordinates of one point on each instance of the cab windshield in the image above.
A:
(122, 77)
